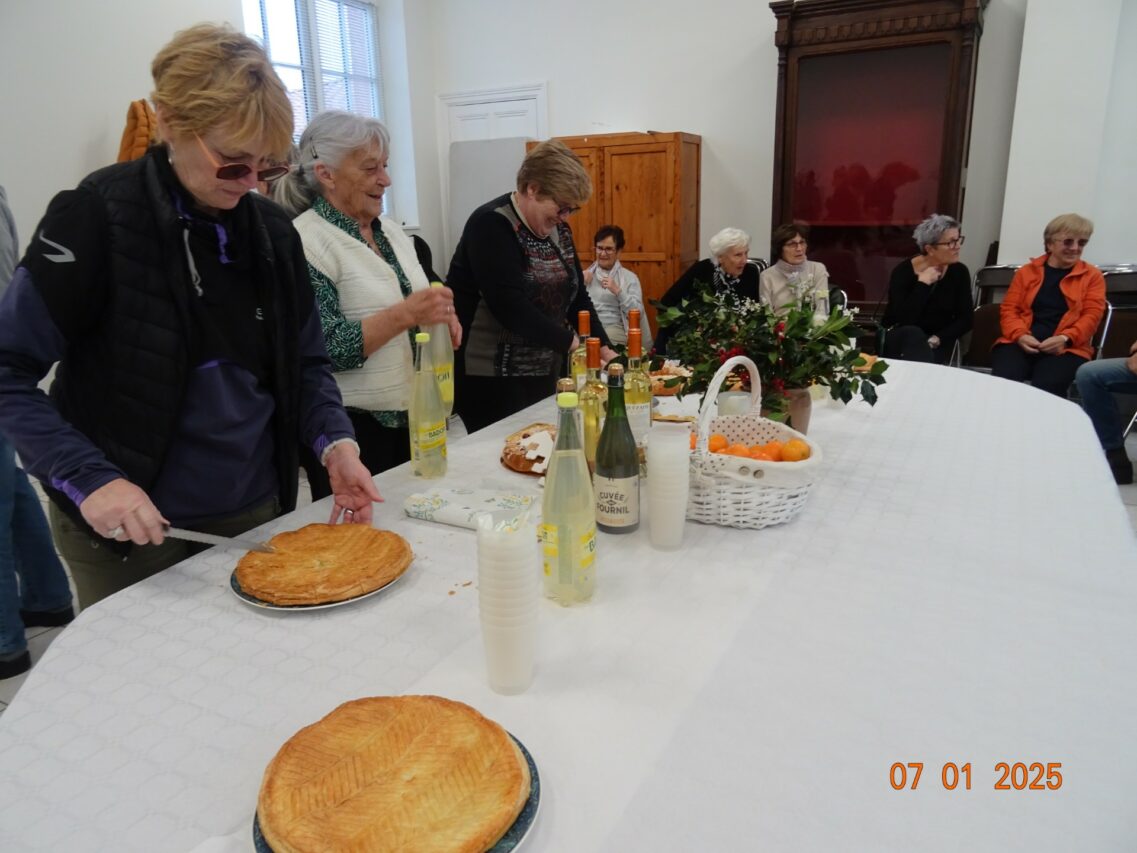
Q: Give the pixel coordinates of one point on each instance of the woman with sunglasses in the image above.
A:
(929, 296)
(177, 303)
(518, 287)
(1051, 311)
(793, 277)
(372, 293)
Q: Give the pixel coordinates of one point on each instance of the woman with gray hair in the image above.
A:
(726, 270)
(929, 296)
(371, 291)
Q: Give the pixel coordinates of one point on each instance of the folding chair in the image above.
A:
(985, 330)
(992, 283)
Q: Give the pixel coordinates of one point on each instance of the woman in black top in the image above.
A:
(726, 269)
(929, 296)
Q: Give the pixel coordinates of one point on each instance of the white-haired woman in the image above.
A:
(725, 270)
(371, 291)
(929, 296)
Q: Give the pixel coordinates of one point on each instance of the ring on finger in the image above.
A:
(115, 532)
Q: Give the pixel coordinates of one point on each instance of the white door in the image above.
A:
(507, 113)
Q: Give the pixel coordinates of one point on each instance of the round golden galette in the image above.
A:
(324, 563)
(394, 773)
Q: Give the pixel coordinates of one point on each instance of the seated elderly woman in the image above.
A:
(614, 289)
(370, 288)
(1051, 311)
(725, 270)
(929, 296)
(793, 276)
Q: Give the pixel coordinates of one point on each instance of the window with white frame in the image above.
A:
(325, 51)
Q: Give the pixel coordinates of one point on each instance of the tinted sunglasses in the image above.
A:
(236, 171)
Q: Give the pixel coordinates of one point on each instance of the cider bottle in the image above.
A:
(426, 416)
(579, 364)
(568, 510)
(442, 357)
(637, 390)
(593, 399)
(617, 479)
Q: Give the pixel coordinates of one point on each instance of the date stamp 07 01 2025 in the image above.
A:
(1018, 776)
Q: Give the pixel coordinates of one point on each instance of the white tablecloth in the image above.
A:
(961, 587)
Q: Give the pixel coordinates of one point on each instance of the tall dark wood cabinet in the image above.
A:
(872, 126)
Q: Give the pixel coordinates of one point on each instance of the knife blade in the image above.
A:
(223, 541)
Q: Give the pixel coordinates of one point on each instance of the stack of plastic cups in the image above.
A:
(509, 574)
(668, 481)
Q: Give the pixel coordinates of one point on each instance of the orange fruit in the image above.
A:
(738, 450)
(759, 452)
(693, 437)
(775, 448)
(717, 442)
(795, 450)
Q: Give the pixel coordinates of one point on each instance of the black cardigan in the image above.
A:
(943, 309)
(702, 271)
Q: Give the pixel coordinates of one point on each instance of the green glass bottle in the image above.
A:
(617, 478)
(568, 513)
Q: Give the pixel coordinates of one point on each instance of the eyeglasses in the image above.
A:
(604, 250)
(564, 210)
(1071, 242)
(952, 244)
(236, 171)
(796, 244)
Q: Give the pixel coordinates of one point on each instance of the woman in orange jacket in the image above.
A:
(1051, 311)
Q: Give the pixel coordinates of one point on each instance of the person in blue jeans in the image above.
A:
(1097, 382)
(33, 583)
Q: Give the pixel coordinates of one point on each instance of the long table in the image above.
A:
(960, 589)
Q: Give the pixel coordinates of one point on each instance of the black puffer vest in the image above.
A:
(122, 385)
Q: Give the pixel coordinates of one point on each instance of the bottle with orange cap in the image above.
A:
(579, 362)
(593, 401)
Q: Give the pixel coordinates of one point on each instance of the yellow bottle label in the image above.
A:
(445, 376)
(431, 436)
(585, 552)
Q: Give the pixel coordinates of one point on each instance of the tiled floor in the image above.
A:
(40, 638)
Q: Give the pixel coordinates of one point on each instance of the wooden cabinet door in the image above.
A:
(639, 195)
(586, 220)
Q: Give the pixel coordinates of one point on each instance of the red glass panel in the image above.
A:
(867, 157)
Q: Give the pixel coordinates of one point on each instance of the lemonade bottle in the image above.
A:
(442, 357)
(568, 514)
(426, 416)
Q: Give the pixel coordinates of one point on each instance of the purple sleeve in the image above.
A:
(322, 416)
(51, 448)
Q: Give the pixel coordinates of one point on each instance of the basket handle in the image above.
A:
(704, 421)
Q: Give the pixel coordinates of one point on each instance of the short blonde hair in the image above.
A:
(213, 77)
(1068, 223)
(556, 172)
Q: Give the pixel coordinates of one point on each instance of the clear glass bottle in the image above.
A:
(579, 363)
(426, 416)
(637, 389)
(442, 357)
(568, 513)
(617, 478)
(593, 400)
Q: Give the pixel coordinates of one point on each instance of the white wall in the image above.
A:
(1075, 103)
(997, 78)
(71, 70)
(663, 65)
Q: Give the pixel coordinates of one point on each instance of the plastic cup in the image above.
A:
(668, 484)
(509, 656)
(509, 566)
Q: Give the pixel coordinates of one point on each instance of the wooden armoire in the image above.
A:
(648, 184)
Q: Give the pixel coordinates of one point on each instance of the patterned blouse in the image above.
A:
(344, 338)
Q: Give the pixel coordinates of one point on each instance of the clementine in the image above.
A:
(795, 450)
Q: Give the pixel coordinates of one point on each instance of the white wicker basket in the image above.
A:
(733, 491)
